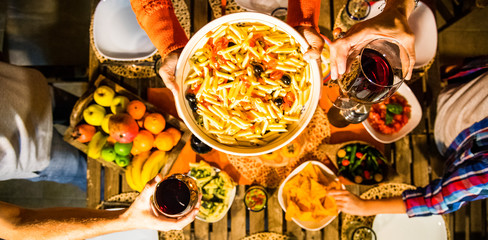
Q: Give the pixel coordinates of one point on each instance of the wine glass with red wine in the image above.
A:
(176, 195)
(375, 70)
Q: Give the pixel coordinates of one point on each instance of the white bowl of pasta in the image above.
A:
(244, 87)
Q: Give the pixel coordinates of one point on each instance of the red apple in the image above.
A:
(83, 132)
(123, 128)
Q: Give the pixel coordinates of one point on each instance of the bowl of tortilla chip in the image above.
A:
(303, 195)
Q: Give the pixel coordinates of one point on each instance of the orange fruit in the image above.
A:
(140, 122)
(143, 141)
(154, 123)
(136, 109)
(135, 151)
(164, 141)
(111, 140)
(175, 133)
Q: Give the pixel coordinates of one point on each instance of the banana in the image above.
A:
(95, 145)
(129, 179)
(152, 166)
(136, 164)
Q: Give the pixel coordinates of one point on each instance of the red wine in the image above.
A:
(375, 68)
(172, 196)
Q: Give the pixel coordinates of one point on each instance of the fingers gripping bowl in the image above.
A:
(243, 85)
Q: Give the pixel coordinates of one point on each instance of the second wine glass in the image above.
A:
(375, 70)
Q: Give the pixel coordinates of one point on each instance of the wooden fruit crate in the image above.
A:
(87, 99)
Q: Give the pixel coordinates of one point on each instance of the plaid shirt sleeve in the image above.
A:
(466, 178)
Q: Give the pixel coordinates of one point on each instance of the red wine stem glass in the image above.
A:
(374, 72)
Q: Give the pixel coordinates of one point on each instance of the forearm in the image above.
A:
(159, 21)
(61, 223)
(304, 13)
(389, 205)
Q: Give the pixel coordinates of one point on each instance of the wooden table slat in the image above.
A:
(403, 160)
(275, 214)
(420, 166)
(238, 211)
(294, 230)
(219, 229)
(201, 11)
(331, 231)
(201, 230)
(125, 187)
(313, 235)
(93, 175)
(112, 182)
(476, 217)
(187, 231)
(256, 222)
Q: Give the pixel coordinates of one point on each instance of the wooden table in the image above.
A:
(414, 157)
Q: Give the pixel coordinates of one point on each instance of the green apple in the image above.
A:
(94, 114)
(104, 96)
(108, 153)
(122, 161)
(119, 104)
(105, 122)
(122, 149)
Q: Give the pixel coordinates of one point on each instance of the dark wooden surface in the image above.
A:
(415, 158)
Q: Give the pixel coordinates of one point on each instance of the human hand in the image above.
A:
(391, 23)
(349, 203)
(143, 215)
(315, 41)
(167, 71)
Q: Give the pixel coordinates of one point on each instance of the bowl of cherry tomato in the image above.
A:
(361, 163)
(395, 117)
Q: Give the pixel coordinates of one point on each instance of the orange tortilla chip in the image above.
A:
(292, 211)
(304, 199)
(310, 172)
(318, 190)
(322, 178)
(329, 202)
(318, 209)
(306, 195)
(306, 216)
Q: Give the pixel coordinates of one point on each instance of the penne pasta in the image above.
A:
(242, 97)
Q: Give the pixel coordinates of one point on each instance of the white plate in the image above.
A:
(262, 6)
(415, 116)
(308, 225)
(183, 68)
(117, 34)
(224, 213)
(422, 22)
(231, 200)
(138, 234)
(401, 227)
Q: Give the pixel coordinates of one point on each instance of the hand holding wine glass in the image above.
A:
(143, 214)
(374, 72)
(391, 23)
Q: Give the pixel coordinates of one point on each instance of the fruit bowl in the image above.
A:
(87, 101)
(185, 66)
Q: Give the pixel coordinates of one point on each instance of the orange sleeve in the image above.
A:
(158, 19)
(304, 13)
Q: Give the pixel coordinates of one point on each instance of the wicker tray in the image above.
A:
(87, 99)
